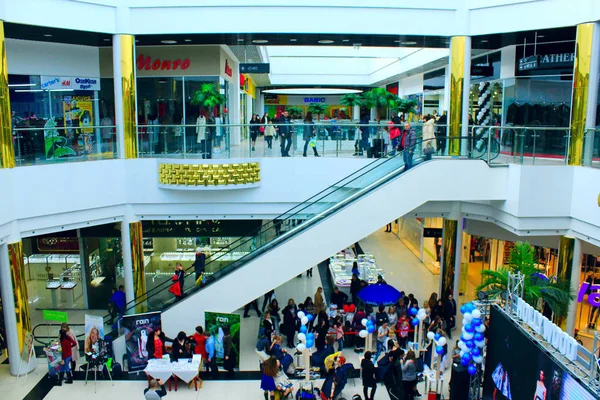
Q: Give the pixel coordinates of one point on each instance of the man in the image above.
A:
(285, 133)
(254, 304)
(199, 265)
(118, 301)
(450, 314)
(409, 140)
(269, 296)
(338, 298)
(441, 132)
(153, 392)
(211, 360)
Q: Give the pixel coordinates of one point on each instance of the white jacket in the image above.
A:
(428, 134)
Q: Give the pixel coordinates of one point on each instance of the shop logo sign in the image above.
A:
(228, 69)
(314, 99)
(142, 322)
(593, 297)
(223, 319)
(147, 63)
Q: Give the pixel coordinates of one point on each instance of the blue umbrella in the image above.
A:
(379, 294)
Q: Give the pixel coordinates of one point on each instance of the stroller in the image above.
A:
(307, 391)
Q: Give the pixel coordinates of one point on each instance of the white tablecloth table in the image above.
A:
(159, 369)
(164, 370)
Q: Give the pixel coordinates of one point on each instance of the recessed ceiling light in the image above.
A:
(541, 36)
(240, 40)
(325, 41)
(346, 40)
(397, 41)
(106, 40)
(408, 43)
(293, 40)
(484, 41)
(137, 41)
(47, 35)
(314, 91)
(187, 40)
(260, 41)
(169, 41)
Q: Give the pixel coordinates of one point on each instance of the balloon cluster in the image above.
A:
(416, 316)
(369, 325)
(439, 340)
(472, 340)
(307, 340)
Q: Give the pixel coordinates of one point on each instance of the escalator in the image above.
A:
(334, 218)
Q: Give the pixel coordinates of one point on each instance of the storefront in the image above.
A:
(247, 101)
(56, 96)
(276, 104)
(422, 236)
(168, 78)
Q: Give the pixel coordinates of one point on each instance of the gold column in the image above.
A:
(7, 150)
(127, 55)
(458, 46)
(137, 265)
(581, 79)
(19, 283)
(565, 257)
(448, 258)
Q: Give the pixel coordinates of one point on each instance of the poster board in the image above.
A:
(138, 330)
(215, 324)
(27, 350)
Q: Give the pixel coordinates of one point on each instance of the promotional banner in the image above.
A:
(94, 330)
(217, 324)
(27, 351)
(138, 329)
(78, 113)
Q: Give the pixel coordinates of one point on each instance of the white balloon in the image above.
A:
(442, 341)
(301, 347)
(301, 314)
(476, 314)
(304, 320)
(363, 333)
(478, 359)
(480, 343)
(302, 337)
(422, 316)
(464, 322)
(468, 317)
(462, 353)
(430, 335)
(468, 335)
(462, 346)
(480, 328)
(364, 322)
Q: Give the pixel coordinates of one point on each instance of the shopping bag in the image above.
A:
(313, 142)
(200, 280)
(428, 149)
(175, 289)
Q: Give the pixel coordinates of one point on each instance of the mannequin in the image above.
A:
(200, 128)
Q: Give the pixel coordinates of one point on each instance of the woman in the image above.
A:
(392, 316)
(357, 326)
(67, 344)
(309, 133)
(71, 334)
(188, 351)
(282, 382)
(355, 287)
(269, 130)
(178, 346)
(321, 333)
(267, 324)
(429, 137)
(319, 301)
(409, 374)
(280, 354)
(229, 352)
(289, 322)
(368, 376)
(309, 308)
(273, 309)
(318, 358)
(179, 278)
(254, 128)
(200, 341)
(267, 382)
(156, 345)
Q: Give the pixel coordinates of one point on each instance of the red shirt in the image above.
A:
(200, 344)
(158, 347)
(67, 347)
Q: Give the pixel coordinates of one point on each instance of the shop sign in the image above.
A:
(593, 297)
(75, 83)
(528, 63)
(546, 61)
(255, 68)
(314, 99)
(432, 232)
(59, 316)
(224, 228)
(228, 69)
(482, 70)
(147, 63)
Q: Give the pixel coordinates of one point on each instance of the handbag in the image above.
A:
(312, 142)
(175, 289)
(428, 149)
(262, 129)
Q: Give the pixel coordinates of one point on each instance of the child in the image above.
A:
(403, 333)
(339, 333)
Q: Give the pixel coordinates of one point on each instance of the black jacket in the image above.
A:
(199, 264)
(339, 299)
(355, 286)
(284, 125)
(150, 344)
(368, 373)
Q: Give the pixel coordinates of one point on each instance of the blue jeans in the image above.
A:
(379, 349)
(340, 344)
(395, 143)
(66, 367)
(407, 156)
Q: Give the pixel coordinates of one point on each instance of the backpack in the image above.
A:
(117, 370)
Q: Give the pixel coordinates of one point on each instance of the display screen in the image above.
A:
(517, 368)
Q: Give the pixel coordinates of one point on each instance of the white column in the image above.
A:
(127, 264)
(119, 114)
(356, 113)
(466, 92)
(85, 268)
(10, 317)
(575, 276)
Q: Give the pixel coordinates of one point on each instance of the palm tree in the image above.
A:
(318, 109)
(555, 292)
(405, 106)
(208, 97)
(379, 98)
(353, 100)
(295, 112)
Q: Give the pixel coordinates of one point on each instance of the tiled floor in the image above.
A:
(13, 389)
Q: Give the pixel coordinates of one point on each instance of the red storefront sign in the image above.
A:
(147, 63)
(228, 69)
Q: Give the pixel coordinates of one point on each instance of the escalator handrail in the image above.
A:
(305, 225)
(35, 337)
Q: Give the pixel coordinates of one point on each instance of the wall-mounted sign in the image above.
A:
(255, 68)
(594, 294)
(147, 63)
(228, 69)
(75, 83)
(432, 232)
(547, 61)
(482, 70)
(314, 99)
(528, 63)
(219, 228)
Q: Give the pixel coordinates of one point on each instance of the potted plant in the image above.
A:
(380, 99)
(353, 100)
(318, 109)
(405, 107)
(208, 97)
(555, 292)
(295, 112)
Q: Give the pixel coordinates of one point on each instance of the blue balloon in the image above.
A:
(478, 336)
(310, 317)
(303, 329)
(309, 344)
(310, 336)
(462, 338)
(476, 321)
(415, 321)
(470, 344)
(439, 350)
(371, 329)
(464, 362)
(469, 307)
(469, 328)
(369, 323)
(467, 356)
(463, 309)
(472, 369)
(475, 352)
(414, 311)
(437, 337)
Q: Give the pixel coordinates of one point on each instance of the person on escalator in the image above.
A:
(407, 143)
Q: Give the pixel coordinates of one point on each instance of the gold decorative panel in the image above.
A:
(19, 282)
(209, 174)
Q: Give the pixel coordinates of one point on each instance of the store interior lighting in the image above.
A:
(312, 91)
